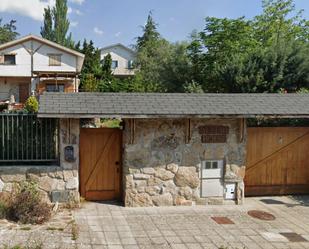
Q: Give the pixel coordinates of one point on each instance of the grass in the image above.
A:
(25, 228)
(55, 229)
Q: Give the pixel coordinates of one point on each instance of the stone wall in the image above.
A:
(57, 183)
(162, 168)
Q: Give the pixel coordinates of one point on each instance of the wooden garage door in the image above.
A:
(277, 161)
(100, 159)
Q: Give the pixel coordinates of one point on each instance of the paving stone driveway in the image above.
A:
(112, 226)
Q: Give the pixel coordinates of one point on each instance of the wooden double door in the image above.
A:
(100, 163)
(277, 161)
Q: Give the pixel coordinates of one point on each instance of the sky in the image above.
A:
(107, 22)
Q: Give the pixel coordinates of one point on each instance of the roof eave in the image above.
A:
(156, 116)
(39, 39)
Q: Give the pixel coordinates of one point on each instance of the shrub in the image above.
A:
(32, 105)
(26, 205)
(4, 205)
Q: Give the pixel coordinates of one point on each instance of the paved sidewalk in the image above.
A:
(111, 226)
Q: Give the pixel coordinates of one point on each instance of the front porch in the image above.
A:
(14, 90)
(56, 82)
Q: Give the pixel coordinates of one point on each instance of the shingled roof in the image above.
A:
(141, 105)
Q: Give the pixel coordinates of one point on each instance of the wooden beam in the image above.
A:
(188, 130)
(242, 124)
(132, 130)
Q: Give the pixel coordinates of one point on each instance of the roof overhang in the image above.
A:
(163, 116)
(118, 45)
(47, 74)
(42, 40)
(173, 105)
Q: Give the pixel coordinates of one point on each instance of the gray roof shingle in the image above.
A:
(139, 105)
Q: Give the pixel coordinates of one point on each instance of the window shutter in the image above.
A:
(55, 60)
(1, 59)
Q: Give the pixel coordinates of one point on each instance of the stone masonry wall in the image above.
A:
(161, 169)
(57, 183)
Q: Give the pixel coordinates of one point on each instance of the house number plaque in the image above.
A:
(213, 134)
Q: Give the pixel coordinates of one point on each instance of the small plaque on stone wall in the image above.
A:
(69, 154)
(213, 134)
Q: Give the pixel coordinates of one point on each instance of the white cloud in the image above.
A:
(98, 31)
(31, 8)
(78, 12)
(73, 24)
(118, 34)
(80, 2)
(74, 11)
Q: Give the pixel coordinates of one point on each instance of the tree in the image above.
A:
(8, 31)
(56, 24)
(92, 63)
(61, 23)
(106, 67)
(47, 31)
(264, 54)
(90, 83)
(280, 21)
(150, 33)
(162, 66)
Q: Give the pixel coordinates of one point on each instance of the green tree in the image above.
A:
(162, 66)
(150, 33)
(56, 24)
(90, 83)
(7, 31)
(47, 31)
(264, 54)
(279, 21)
(193, 87)
(92, 63)
(107, 67)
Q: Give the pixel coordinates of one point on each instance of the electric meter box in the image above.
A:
(230, 191)
(212, 178)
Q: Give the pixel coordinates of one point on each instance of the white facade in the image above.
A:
(22, 68)
(32, 60)
(123, 57)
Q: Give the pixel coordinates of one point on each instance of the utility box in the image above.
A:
(212, 178)
(230, 191)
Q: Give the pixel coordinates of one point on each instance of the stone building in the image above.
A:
(171, 149)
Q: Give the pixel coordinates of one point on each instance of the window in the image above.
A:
(130, 64)
(213, 133)
(8, 59)
(114, 64)
(55, 59)
(54, 88)
(211, 165)
(212, 169)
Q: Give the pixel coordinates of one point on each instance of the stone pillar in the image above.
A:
(69, 160)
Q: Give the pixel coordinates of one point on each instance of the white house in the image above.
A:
(33, 64)
(122, 59)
